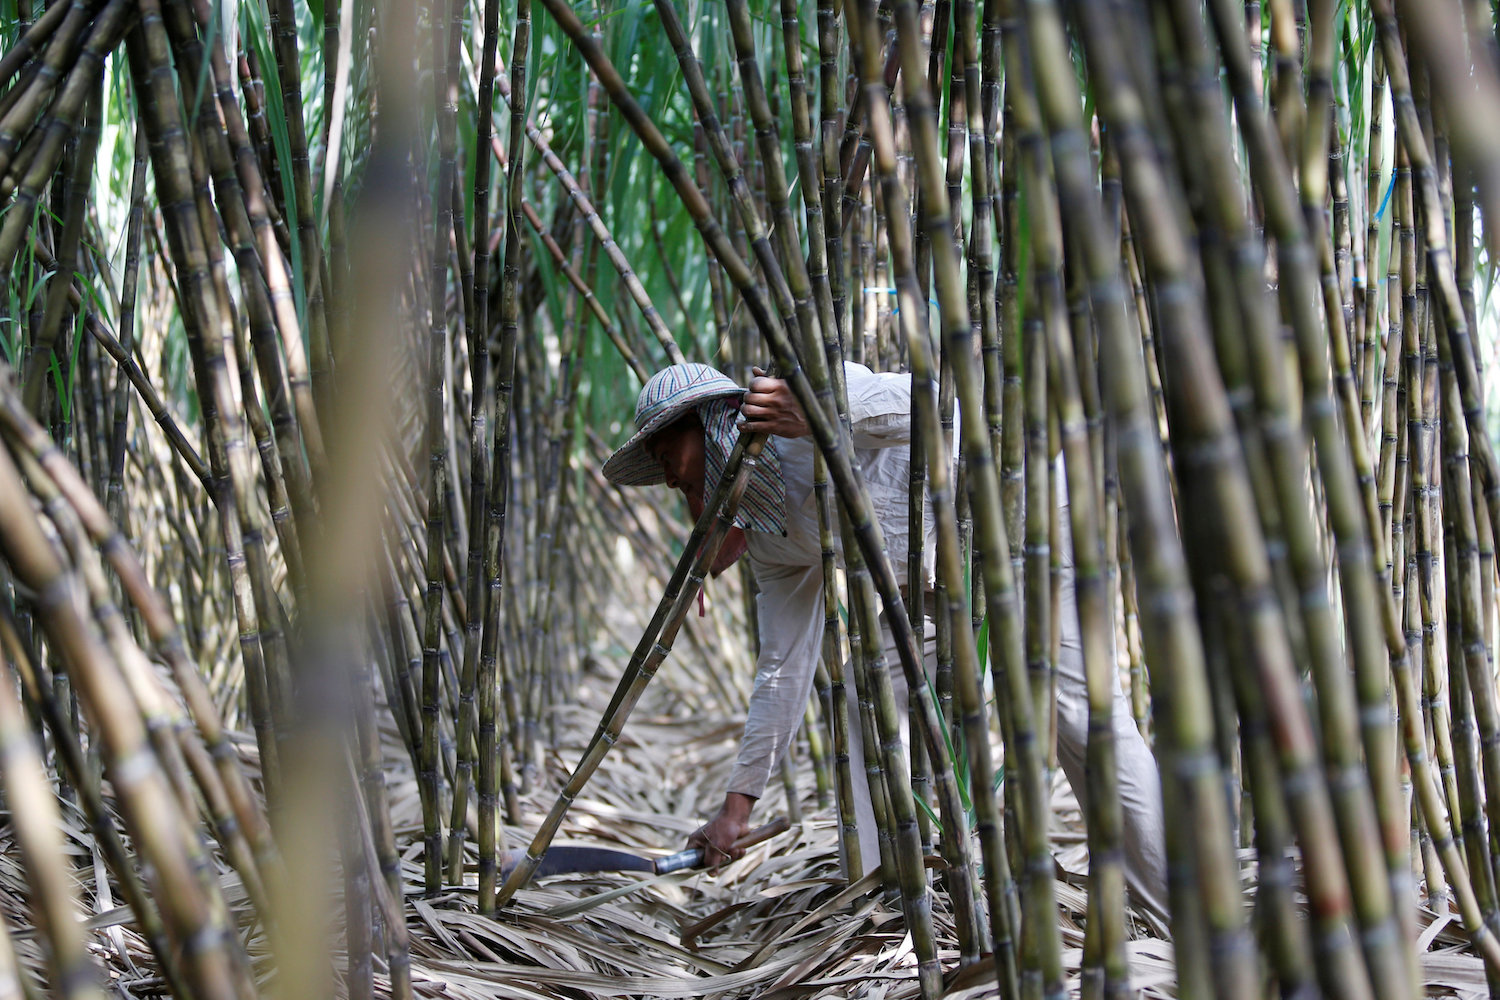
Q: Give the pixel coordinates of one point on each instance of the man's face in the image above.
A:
(679, 451)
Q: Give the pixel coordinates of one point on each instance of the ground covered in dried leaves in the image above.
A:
(778, 924)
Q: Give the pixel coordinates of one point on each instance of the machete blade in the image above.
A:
(567, 859)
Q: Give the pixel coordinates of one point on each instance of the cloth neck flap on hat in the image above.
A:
(763, 507)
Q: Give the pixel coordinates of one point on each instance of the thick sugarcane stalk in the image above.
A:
(254, 603)
(129, 284)
(58, 54)
(79, 183)
(34, 40)
(446, 110)
(149, 806)
(101, 824)
(58, 123)
(476, 336)
(268, 307)
(1453, 735)
(254, 185)
(1173, 646)
(786, 274)
(36, 822)
(282, 20)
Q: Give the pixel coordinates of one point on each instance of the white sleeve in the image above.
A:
(790, 612)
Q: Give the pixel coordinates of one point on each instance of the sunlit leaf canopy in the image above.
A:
(320, 319)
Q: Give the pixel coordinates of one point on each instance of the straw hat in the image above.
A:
(666, 396)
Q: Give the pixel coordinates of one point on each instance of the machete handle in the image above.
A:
(693, 856)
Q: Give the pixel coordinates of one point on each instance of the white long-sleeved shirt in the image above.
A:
(788, 570)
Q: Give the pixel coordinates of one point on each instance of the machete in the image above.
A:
(570, 859)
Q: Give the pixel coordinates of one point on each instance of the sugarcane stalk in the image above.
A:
(79, 183)
(282, 20)
(33, 40)
(70, 757)
(58, 54)
(263, 284)
(55, 127)
(36, 822)
(129, 284)
(147, 802)
(1173, 647)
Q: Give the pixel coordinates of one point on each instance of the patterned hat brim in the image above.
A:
(630, 465)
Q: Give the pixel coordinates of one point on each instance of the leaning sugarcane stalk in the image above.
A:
(20, 117)
(101, 823)
(248, 818)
